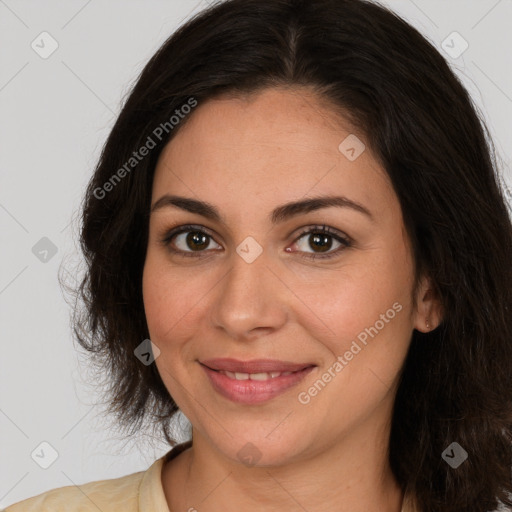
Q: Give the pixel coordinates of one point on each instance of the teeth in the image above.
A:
(253, 376)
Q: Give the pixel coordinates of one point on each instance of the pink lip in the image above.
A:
(254, 365)
(255, 391)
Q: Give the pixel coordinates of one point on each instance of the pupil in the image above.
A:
(323, 241)
(197, 239)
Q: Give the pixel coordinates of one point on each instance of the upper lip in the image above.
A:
(254, 365)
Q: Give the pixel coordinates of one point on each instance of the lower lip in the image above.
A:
(253, 391)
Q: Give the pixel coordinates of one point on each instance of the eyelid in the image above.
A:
(183, 228)
(323, 228)
(344, 240)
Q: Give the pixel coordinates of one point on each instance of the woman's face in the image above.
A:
(243, 284)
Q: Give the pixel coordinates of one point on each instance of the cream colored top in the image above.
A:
(138, 492)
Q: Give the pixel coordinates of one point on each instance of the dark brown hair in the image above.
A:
(395, 87)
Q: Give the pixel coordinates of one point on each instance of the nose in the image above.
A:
(251, 299)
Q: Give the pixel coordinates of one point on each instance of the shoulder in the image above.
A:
(117, 494)
(137, 492)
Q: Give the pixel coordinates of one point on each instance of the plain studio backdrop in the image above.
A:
(65, 68)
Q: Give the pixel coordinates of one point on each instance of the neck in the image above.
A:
(350, 475)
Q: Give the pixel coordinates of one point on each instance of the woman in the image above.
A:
(298, 206)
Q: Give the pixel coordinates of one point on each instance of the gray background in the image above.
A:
(55, 114)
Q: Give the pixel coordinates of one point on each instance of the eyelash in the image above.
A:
(345, 241)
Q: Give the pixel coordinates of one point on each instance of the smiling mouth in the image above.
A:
(253, 366)
(254, 387)
(253, 376)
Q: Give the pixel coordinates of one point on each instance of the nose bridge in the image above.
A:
(250, 296)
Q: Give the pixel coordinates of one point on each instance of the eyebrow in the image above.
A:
(279, 214)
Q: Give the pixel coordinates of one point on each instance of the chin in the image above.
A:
(260, 451)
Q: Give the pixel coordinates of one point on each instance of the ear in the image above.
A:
(428, 314)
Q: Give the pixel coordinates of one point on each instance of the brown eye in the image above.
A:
(187, 240)
(320, 240)
(194, 241)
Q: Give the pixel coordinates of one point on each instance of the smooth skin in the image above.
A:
(247, 156)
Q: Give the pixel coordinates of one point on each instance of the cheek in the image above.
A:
(156, 300)
(369, 304)
(169, 309)
(168, 300)
(358, 298)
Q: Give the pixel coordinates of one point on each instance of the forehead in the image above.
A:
(277, 117)
(275, 145)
